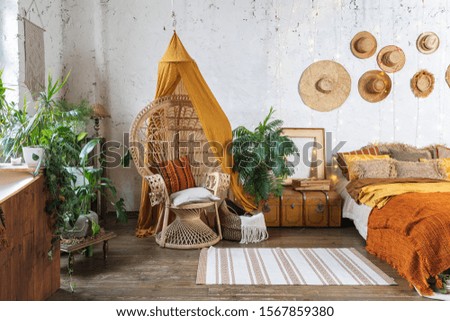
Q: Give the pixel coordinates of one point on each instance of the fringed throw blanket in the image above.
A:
(253, 229)
(412, 233)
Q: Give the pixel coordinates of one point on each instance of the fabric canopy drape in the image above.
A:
(177, 65)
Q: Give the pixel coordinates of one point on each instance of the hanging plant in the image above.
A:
(260, 158)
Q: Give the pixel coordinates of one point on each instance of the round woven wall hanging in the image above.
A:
(374, 86)
(324, 85)
(447, 76)
(363, 45)
(391, 58)
(427, 42)
(422, 83)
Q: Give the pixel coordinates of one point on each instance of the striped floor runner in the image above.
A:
(289, 266)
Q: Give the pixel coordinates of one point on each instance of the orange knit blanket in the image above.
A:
(412, 233)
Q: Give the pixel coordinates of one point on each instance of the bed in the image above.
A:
(358, 213)
(405, 220)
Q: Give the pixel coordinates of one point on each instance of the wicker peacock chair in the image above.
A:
(167, 129)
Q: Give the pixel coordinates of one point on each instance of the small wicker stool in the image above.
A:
(231, 223)
(188, 231)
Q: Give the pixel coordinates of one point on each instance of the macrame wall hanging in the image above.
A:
(34, 53)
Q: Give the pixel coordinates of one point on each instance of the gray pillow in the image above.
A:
(443, 152)
(410, 156)
(418, 170)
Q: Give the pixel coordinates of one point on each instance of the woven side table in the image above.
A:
(188, 231)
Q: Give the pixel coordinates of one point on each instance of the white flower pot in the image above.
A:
(28, 153)
(16, 161)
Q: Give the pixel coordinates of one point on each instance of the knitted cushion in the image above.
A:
(177, 174)
(365, 151)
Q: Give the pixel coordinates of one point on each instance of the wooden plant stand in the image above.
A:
(84, 244)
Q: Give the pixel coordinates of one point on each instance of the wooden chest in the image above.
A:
(304, 208)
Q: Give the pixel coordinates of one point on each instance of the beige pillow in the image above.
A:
(377, 168)
(418, 170)
(350, 159)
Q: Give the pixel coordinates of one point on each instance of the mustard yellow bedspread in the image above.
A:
(378, 195)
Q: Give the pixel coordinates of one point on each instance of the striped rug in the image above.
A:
(288, 266)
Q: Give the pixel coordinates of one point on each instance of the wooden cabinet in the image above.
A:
(26, 272)
(305, 208)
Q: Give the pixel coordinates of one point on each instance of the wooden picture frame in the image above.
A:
(317, 163)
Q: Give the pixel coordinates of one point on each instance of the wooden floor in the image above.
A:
(138, 269)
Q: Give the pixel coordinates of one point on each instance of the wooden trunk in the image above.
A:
(26, 273)
(305, 208)
(271, 211)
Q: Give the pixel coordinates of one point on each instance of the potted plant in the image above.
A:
(86, 193)
(260, 158)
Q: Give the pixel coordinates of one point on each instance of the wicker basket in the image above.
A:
(231, 223)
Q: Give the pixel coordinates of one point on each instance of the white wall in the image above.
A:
(252, 54)
(9, 57)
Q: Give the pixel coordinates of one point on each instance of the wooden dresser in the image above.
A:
(26, 272)
(304, 208)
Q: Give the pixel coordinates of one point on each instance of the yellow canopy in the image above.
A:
(177, 65)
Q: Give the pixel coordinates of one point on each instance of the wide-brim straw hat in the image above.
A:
(391, 58)
(447, 76)
(427, 42)
(422, 83)
(324, 85)
(374, 85)
(363, 45)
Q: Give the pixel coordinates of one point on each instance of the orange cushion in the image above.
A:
(177, 174)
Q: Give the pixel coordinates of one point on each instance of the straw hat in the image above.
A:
(324, 85)
(427, 42)
(374, 85)
(447, 75)
(363, 45)
(422, 83)
(391, 58)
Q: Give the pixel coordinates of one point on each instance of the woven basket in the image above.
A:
(230, 222)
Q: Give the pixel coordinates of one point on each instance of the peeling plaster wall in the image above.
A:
(9, 57)
(252, 54)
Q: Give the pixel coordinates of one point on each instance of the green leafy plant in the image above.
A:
(94, 183)
(260, 158)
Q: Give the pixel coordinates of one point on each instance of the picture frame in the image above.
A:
(310, 162)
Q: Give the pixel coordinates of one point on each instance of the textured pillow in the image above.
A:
(177, 174)
(444, 165)
(429, 169)
(404, 152)
(410, 156)
(442, 152)
(373, 150)
(377, 168)
(192, 195)
(350, 159)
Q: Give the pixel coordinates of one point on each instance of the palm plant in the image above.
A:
(260, 158)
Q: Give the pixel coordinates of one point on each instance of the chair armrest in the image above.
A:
(217, 182)
(158, 191)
